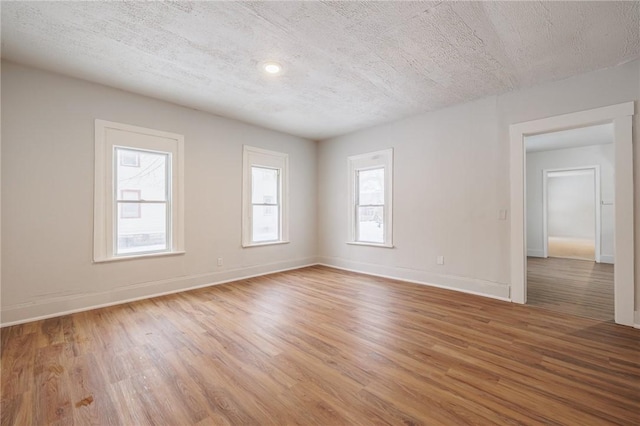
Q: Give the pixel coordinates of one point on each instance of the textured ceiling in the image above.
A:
(601, 134)
(348, 65)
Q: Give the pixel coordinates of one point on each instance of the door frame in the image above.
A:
(596, 207)
(621, 116)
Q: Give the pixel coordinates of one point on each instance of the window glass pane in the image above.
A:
(371, 186)
(147, 232)
(129, 158)
(264, 185)
(265, 223)
(370, 224)
(149, 177)
(129, 194)
(130, 210)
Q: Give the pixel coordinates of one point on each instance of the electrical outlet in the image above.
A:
(220, 261)
(440, 260)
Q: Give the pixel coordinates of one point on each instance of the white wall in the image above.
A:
(47, 191)
(602, 155)
(0, 188)
(571, 206)
(451, 179)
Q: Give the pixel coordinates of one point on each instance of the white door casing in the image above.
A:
(621, 117)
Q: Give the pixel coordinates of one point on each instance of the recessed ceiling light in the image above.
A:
(272, 68)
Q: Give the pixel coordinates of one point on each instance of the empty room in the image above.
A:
(320, 213)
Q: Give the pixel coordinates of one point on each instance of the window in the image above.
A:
(138, 192)
(149, 202)
(370, 198)
(265, 197)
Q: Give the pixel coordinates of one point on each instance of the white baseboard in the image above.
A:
(535, 252)
(466, 285)
(64, 305)
(607, 258)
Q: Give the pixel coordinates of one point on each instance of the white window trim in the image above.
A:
(371, 160)
(252, 156)
(103, 217)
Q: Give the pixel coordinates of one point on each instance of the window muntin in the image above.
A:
(370, 198)
(265, 197)
(150, 232)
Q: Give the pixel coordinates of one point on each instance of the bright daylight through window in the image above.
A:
(144, 204)
(138, 192)
(265, 214)
(370, 187)
(370, 206)
(265, 197)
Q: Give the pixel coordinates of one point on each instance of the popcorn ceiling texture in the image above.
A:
(348, 65)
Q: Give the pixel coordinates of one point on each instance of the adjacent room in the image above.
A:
(570, 221)
(320, 213)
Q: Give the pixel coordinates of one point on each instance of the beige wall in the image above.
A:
(47, 197)
(451, 179)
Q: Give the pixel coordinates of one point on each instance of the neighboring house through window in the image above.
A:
(130, 210)
(265, 197)
(130, 159)
(370, 198)
(138, 192)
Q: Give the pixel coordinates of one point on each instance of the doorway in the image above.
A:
(564, 221)
(572, 217)
(620, 116)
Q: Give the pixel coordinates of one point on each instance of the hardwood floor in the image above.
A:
(320, 346)
(577, 287)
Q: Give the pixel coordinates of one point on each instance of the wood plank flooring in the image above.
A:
(577, 287)
(318, 346)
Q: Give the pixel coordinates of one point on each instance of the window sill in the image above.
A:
(358, 243)
(138, 256)
(268, 243)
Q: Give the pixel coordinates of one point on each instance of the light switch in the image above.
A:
(502, 214)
